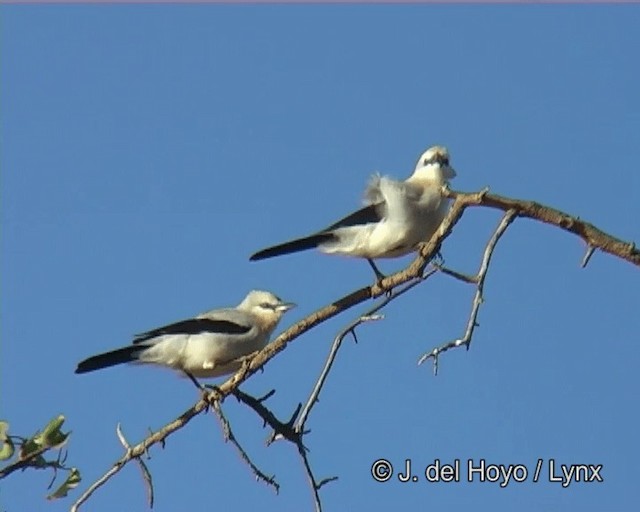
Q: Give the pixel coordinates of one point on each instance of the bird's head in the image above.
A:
(433, 165)
(266, 306)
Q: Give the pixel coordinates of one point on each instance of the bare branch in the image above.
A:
(458, 275)
(229, 436)
(280, 429)
(146, 474)
(286, 431)
(337, 342)
(592, 236)
(506, 221)
(313, 483)
(141, 448)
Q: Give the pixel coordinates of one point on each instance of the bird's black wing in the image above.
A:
(366, 215)
(195, 326)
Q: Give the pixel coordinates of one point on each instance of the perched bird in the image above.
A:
(397, 216)
(208, 345)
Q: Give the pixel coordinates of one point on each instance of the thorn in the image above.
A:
(267, 396)
(587, 255)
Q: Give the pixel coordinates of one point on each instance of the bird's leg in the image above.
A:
(379, 275)
(202, 387)
(195, 381)
(205, 389)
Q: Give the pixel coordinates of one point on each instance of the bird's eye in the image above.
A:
(266, 305)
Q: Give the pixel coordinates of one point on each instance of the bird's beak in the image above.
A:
(285, 306)
(449, 173)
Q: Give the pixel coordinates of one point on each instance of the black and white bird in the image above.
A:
(208, 345)
(397, 216)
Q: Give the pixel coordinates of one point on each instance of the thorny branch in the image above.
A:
(592, 236)
(478, 279)
(229, 436)
(146, 474)
(368, 316)
(286, 431)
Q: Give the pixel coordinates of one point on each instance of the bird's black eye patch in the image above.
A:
(266, 305)
(438, 158)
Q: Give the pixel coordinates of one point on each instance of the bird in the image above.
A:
(397, 216)
(206, 346)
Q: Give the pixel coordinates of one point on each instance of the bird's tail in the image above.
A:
(301, 244)
(119, 356)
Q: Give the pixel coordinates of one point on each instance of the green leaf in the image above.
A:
(6, 445)
(52, 437)
(70, 483)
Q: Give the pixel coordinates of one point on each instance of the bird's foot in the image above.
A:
(379, 276)
(387, 293)
(206, 390)
(212, 387)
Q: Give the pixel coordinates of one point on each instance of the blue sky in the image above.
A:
(147, 151)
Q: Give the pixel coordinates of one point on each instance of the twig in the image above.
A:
(141, 448)
(229, 436)
(280, 429)
(434, 354)
(146, 474)
(299, 427)
(313, 483)
(458, 275)
(337, 342)
(286, 431)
